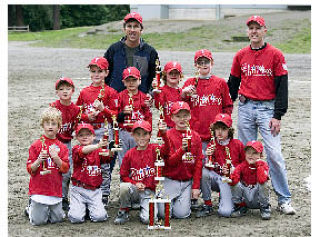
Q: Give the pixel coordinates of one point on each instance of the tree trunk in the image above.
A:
(19, 15)
(56, 17)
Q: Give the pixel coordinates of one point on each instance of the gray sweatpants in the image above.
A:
(80, 199)
(127, 143)
(130, 194)
(179, 192)
(254, 196)
(40, 214)
(67, 176)
(211, 181)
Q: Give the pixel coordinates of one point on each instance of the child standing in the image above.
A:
(249, 183)
(212, 177)
(69, 111)
(170, 92)
(85, 191)
(48, 159)
(182, 174)
(99, 103)
(138, 172)
(133, 106)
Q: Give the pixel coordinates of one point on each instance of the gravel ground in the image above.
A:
(32, 74)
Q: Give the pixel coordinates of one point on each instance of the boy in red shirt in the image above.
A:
(48, 159)
(69, 111)
(249, 183)
(138, 172)
(213, 177)
(183, 163)
(99, 103)
(85, 191)
(133, 106)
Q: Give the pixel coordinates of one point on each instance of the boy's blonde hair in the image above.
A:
(51, 113)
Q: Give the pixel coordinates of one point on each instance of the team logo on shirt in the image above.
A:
(142, 173)
(65, 127)
(206, 100)
(256, 70)
(93, 170)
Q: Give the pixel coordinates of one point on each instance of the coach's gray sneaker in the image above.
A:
(286, 208)
(205, 211)
(239, 211)
(265, 213)
(122, 217)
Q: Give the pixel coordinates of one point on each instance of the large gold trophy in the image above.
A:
(44, 150)
(161, 119)
(128, 118)
(116, 139)
(226, 178)
(158, 75)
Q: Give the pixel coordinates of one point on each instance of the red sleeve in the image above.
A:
(64, 156)
(236, 69)
(34, 152)
(125, 169)
(165, 148)
(79, 100)
(280, 66)
(227, 104)
(175, 158)
(77, 154)
(262, 171)
(188, 82)
(105, 159)
(198, 167)
(235, 176)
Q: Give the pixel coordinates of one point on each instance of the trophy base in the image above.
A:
(210, 165)
(114, 149)
(128, 124)
(104, 152)
(156, 90)
(187, 156)
(159, 178)
(45, 172)
(226, 180)
(159, 227)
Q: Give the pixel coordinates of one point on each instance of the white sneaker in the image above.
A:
(286, 208)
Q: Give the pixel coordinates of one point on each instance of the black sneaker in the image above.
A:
(122, 217)
(195, 205)
(87, 216)
(239, 211)
(265, 213)
(65, 204)
(105, 200)
(205, 211)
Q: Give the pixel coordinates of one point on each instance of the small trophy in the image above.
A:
(44, 150)
(161, 119)
(104, 150)
(117, 141)
(158, 198)
(100, 96)
(128, 118)
(158, 72)
(188, 154)
(212, 147)
(226, 178)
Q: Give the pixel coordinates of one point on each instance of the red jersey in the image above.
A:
(87, 167)
(89, 94)
(69, 115)
(166, 98)
(257, 69)
(138, 166)
(140, 110)
(212, 98)
(183, 170)
(49, 184)
(250, 174)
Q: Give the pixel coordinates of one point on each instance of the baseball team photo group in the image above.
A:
(138, 139)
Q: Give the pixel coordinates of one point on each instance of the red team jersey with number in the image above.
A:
(49, 184)
(140, 110)
(87, 167)
(166, 98)
(138, 166)
(212, 98)
(183, 170)
(69, 115)
(257, 70)
(89, 94)
(236, 149)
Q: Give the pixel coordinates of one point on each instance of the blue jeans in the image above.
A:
(254, 116)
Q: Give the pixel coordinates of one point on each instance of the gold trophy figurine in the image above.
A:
(116, 139)
(226, 178)
(161, 119)
(158, 74)
(105, 151)
(128, 118)
(44, 150)
(212, 147)
(188, 154)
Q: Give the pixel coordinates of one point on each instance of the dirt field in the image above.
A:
(32, 74)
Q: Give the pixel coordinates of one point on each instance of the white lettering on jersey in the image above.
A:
(142, 173)
(256, 70)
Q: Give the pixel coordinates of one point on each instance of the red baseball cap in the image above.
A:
(223, 118)
(64, 79)
(100, 62)
(131, 72)
(142, 124)
(179, 105)
(257, 19)
(203, 53)
(255, 145)
(133, 15)
(84, 125)
(171, 66)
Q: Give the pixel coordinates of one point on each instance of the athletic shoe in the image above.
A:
(105, 200)
(205, 211)
(122, 217)
(26, 211)
(265, 213)
(286, 208)
(239, 211)
(195, 205)
(87, 216)
(65, 204)
(135, 205)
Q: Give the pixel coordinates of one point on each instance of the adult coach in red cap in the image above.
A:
(131, 51)
(263, 100)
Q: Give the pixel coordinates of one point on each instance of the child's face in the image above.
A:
(51, 128)
(97, 75)
(173, 78)
(85, 137)
(131, 83)
(252, 156)
(181, 119)
(65, 92)
(221, 133)
(204, 65)
(141, 137)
